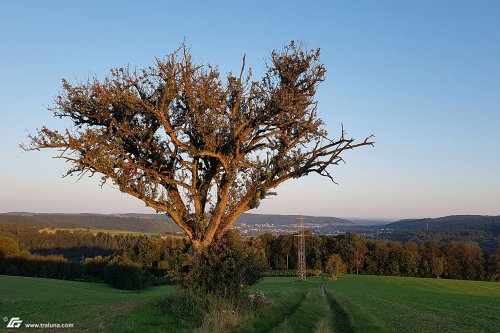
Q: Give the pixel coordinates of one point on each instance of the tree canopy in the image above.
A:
(188, 142)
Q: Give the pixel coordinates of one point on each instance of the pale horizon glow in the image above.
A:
(423, 77)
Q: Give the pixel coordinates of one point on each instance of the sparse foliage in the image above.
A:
(186, 142)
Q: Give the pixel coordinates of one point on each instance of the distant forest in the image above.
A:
(150, 260)
(484, 230)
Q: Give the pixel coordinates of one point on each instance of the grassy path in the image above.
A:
(297, 306)
(313, 313)
(340, 322)
(311, 306)
(285, 302)
(351, 318)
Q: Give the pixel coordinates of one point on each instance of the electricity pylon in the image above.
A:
(301, 250)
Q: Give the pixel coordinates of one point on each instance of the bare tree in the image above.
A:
(186, 142)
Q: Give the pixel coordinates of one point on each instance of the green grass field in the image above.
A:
(96, 231)
(351, 304)
(91, 307)
(381, 304)
(421, 305)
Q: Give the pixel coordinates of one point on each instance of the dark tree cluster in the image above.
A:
(488, 239)
(73, 245)
(130, 262)
(140, 262)
(452, 260)
(53, 266)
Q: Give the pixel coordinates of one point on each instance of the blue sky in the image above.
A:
(422, 76)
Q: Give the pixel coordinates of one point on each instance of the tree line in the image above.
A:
(486, 239)
(39, 240)
(134, 261)
(122, 260)
(452, 259)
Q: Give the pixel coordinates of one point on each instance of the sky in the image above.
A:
(422, 76)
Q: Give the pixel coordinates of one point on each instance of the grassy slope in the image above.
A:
(92, 307)
(351, 304)
(423, 305)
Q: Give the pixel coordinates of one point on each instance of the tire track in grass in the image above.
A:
(350, 318)
(341, 322)
(277, 315)
(284, 325)
(313, 315)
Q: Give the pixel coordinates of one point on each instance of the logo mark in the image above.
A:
(15, 322)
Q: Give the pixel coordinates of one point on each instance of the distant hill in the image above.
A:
(370, 222)
(127, 222)
(252, 219)
(454, 222)
(155, 223)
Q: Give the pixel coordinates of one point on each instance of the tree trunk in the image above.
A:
(199, 245)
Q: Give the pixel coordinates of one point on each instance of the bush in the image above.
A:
(54, 267)
(257, 299)
(185, 306)
(314, 272)
(224, 270)
(123, 276)
(94, 267)
(220, 321)
(11, 270)
(206, 312)
(279, 272)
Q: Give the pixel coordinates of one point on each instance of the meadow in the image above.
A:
(353, 303)
(96, 231)
(91, 307)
